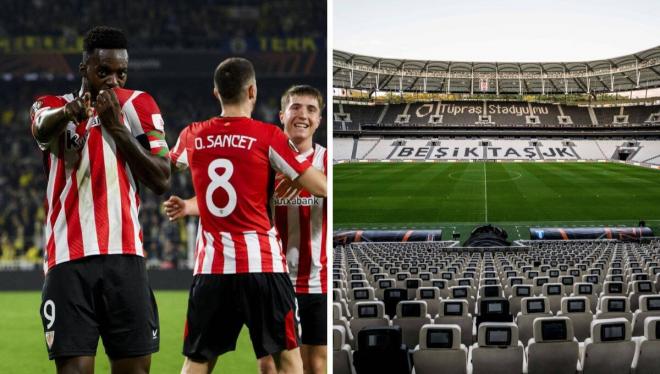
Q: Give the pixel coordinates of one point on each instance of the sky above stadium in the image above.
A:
(496, 30)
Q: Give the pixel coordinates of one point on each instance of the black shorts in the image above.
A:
(219, 305)
(107, 296)
(312, 309)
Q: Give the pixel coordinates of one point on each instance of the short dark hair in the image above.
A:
(104, 37)
(231, 77)
(301, 90)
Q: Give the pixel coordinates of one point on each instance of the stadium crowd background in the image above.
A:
(195, 28)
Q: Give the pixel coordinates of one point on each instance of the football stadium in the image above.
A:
(174, 48)
(496, 217)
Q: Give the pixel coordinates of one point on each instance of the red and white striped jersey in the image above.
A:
(231, 161)
(302, 222)
(92, 197)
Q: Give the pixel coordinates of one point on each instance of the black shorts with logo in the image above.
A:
(107, 296)
(219, 305)
(312, 310)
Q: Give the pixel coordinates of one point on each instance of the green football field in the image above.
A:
(23, 346)
(515, 196)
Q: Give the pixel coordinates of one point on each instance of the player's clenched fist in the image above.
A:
(79, 109)
(108, 109)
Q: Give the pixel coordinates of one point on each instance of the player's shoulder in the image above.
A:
(137, 97)
(52, 101)
(49, 101)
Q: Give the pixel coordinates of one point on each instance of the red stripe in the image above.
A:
(218, 251)
(324, 254)
(127, 233)
(290, 331)
(266, 254)
(305, 250)
(281, 222)
(242, 265)
(99, 187)
(281, 217)
(73, 229)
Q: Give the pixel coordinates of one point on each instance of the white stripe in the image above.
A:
(113, 194)
(134, 209)
(60, 229)
(208, 254)
(253, 250)
(278, 163)
(292, 249)
(48, 229)
(319, 157)
(132, 116)
(86, 205)
(316, 236)
(276, 251)
(229, 253)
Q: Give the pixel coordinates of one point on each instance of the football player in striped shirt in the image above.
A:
(301, 221)
(240, 274)
(98, 145)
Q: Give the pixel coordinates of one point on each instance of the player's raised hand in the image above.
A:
(285, 188)
(108, 109)
(79, 109)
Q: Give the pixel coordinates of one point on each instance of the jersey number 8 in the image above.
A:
(221, 181)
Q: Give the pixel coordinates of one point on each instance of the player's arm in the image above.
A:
(152, 170)
(50, 123)
(314, 181)
(175, 207)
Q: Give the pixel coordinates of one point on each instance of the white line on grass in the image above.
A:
(485, 194)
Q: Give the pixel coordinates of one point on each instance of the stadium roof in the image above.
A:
(631, 72)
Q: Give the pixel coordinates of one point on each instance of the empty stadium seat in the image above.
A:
(614, 307)
(610, 349)
(554, 349)
(638, 288)
(381, 350)
(532, 308)
(411, 316)
(553, 292)
(453, 311)
(391, 297)
(577, 309)
(440, 349)
(430, 295)
(339, 320)
(649, 306)
(368, 314)
(497, 351)
(517, 294)
(647, 356)
(361, 294)
(342, 359)
(587, 290)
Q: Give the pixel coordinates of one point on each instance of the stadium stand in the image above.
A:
(521, 114)
(568, 335)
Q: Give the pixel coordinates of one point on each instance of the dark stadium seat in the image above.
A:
(381, 350)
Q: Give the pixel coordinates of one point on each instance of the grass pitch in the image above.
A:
(515, 196)
(23, 346)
